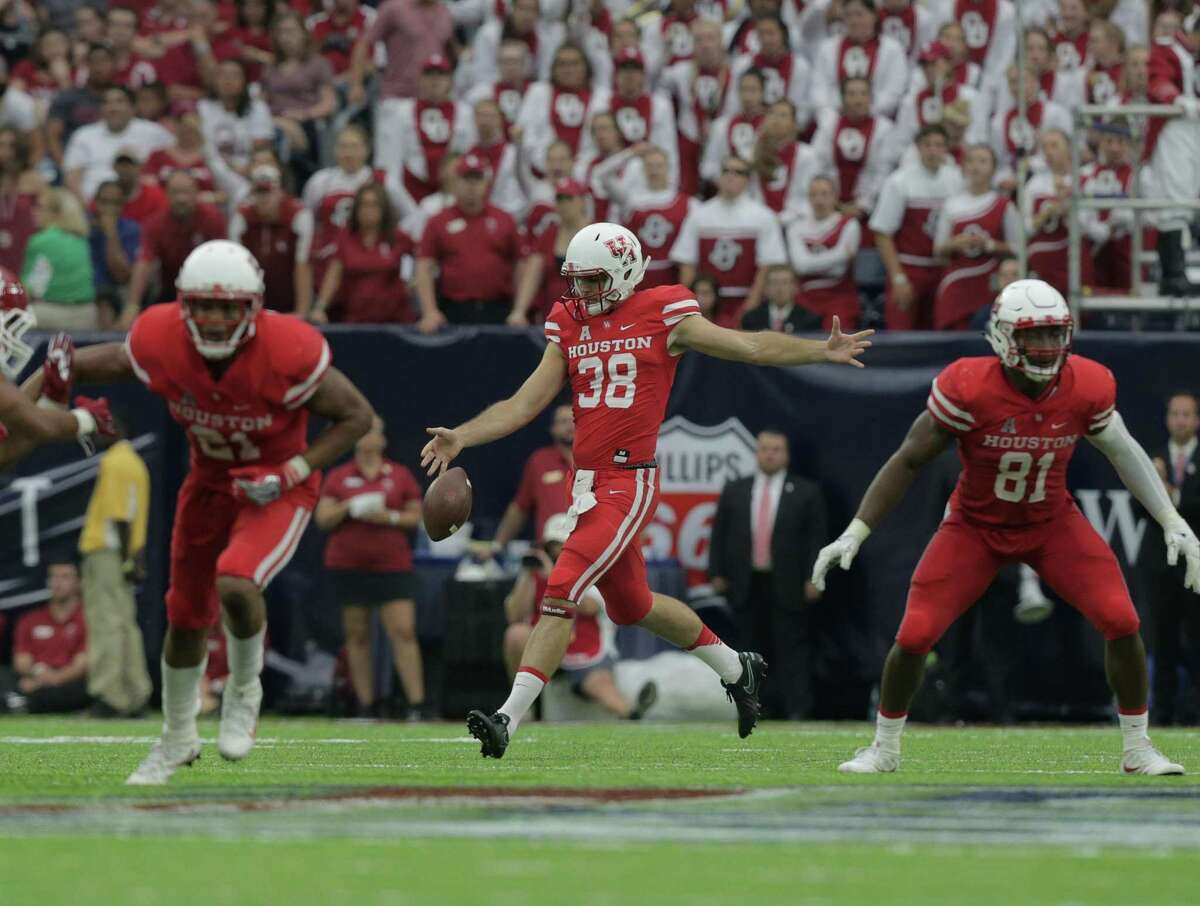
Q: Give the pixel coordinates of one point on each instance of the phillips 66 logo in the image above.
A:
(695, 463)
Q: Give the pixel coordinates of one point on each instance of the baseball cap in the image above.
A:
(629, 56)
(265, 175)
(572, 187)
(472, 165)
(934, 50)
(133, 155)
(438, 62)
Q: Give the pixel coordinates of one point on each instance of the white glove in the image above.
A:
(1189, 105)
(1180, 538)
(843, 550)
(368, 504)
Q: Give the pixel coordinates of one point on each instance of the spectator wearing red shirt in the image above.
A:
(143, 199)
(364, 281)
(48, 69)
(19, 190)
(50, 648)
(190, 66)
(187, 154)
(542, 283)
(338, 31)
(252, 30)
(130, 68)
(278, 231)
(545, 482)
(168, 238)
(588, 661)
(476, 247)
(370, 506)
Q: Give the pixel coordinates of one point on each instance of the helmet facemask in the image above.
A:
(589, 292)
(15, 353)
(236, 330)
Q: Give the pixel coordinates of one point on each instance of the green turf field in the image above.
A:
(343, 812)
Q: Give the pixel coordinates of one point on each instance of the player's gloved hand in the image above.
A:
(93, 417)
(842, 551)
(1181, 539)
(57, 370)
(266, 484)
(368, 504)
(1189, 105)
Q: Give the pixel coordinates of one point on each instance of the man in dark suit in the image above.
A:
(1175, 611)
(779, 310)
(766, 533)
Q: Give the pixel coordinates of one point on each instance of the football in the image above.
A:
(447, 504)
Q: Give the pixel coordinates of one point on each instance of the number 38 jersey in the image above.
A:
(255, 412)
(1014, 449)
(621, 373)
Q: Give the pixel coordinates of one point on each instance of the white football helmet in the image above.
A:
(603, 266)
(15, 321)
(1026, 304)
(222, 271)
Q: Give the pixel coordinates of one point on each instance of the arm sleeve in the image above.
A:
(428, 246)
(947, 403)
(941, 234)
(1134, 468)
(302, 226)
(686, 249)
(770, 249)
(304, 358)
(1012, 226)
(889, 212)
(237, 227)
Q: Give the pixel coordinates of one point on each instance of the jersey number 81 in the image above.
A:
(1010, 479)
(620, 389)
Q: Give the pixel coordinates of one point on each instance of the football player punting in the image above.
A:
(241, 382)
(24, 423)
(618, 349)
(1017, 419)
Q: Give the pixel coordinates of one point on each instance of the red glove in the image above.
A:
(56, 370)
(93, 417)
(266, 484)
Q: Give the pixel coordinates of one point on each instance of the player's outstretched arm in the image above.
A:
(924, 443)
(1137, 473)
(499, 419)
(768, 347)
(30, 425)
(348, 412)
(104, 363)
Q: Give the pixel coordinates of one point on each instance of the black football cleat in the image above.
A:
(744, 693)
(492, 732)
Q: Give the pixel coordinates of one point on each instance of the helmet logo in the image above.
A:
(620, 248)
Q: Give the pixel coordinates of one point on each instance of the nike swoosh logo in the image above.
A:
(1060, 425)
(616, 492)
(751, 681)
(627, 326)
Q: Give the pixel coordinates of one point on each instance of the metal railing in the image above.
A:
(1135, 114)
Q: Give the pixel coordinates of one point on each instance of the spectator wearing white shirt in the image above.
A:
(938, 89)
(640, 115)
(88, 158)
(608, 165)
(656, 214)
(908, 23)
(18, 110)
(522, 23)
(786, 75)
(1046, 202)
(856, 149)
(974, 228)
(512, 81)
(1013, 136)
(501, 154)
(560, 109)
(989, 28)
(699, 87)
(1106, 54)
(904, 221)
(1065, 86)
(822, 244)
(735, 239)
(233, 122)
(861, 53)
(783, 166)
(736, 133)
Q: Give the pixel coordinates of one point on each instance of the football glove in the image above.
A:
(56, 370)
(1181, 539)
(266, 484)
(368, 504)
(843, 551)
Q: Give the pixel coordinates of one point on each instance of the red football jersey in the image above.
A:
(1014, 449)
(621, 373)
(255, 412)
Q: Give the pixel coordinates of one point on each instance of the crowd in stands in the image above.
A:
(427, 161)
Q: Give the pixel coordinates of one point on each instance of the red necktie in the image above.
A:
(1180, 468)
(762, 529)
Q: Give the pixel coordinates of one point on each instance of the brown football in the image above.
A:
(447, 504)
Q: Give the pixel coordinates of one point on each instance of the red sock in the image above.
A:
(706, 637)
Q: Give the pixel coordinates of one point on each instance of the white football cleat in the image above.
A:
(871, 760)
(165, 758)
(1148, 760)
(239, 720)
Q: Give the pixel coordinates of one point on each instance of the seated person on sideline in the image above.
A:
(50, 649)
(588, 663)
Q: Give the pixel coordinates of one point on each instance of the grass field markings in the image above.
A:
(150, 740)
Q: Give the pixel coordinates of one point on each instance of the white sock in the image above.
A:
(181, 699)
(888, 730)
(245, 657)
(525, 690)
(719, 656)
(1133, 730)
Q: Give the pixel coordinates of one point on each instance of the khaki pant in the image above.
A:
(60, 316)
(116, 658)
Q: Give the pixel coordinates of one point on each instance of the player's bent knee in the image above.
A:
(916, 636)
(629, 609)
(1120, 626)
(236, 592)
